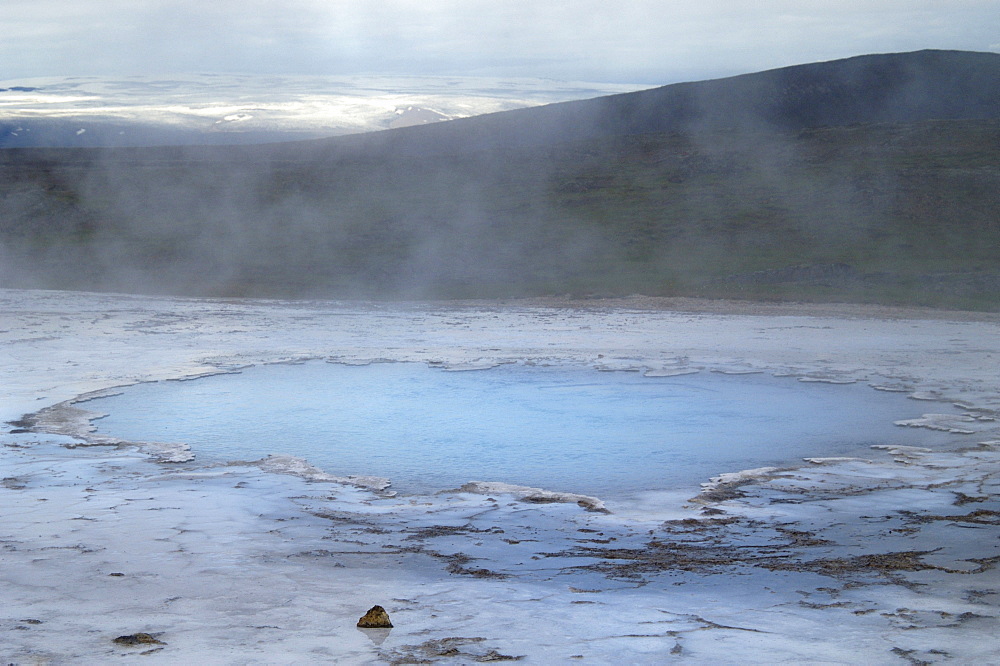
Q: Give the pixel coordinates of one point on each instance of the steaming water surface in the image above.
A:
(573, 429)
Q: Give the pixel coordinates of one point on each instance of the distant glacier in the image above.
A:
(227, 108)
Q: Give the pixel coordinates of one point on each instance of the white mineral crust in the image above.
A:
(884, 560)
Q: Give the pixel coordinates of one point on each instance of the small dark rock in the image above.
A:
(375, 618)
(138, 639)
(12, 483)
(493, 655)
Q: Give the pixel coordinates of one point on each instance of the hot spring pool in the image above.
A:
(574, 429)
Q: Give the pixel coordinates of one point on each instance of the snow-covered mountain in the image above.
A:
(214, 108)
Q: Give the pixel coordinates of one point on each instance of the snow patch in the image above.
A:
(955, 424)
(167, 452)
(285, 464)
(235, 118)
(671, 372)
(835, 460)
(743, 476)
(536, 495)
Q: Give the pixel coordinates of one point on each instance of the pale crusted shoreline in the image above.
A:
(738, 307)
(236, 564)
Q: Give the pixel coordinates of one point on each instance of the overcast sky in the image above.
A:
(627, 41)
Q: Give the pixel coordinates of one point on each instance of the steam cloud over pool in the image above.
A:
(563, 428)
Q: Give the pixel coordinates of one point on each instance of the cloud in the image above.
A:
(651, 40)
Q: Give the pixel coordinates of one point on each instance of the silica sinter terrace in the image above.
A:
(572, 429)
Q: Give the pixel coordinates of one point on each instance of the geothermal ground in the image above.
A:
(889, 558)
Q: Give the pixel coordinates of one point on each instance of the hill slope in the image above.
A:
(884, 88)
(872, 178)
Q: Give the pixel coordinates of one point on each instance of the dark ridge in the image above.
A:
(888, 88)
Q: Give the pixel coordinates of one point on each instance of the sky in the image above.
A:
(628, 41)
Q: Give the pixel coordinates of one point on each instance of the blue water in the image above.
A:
(563, 428)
